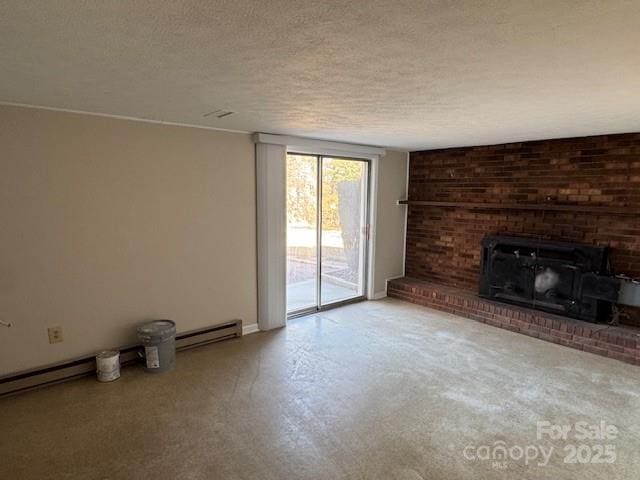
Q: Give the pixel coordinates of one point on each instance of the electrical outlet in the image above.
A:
(55, 334)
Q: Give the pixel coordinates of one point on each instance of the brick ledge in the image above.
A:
(619, 342)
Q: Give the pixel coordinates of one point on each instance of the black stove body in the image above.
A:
(563, 278)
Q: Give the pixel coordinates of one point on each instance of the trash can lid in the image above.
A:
(157, 330)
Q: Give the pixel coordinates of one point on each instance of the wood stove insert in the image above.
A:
(562, 278)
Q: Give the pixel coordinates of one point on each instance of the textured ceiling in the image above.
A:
(405, 74)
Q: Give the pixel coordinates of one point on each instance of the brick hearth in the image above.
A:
(618, 342)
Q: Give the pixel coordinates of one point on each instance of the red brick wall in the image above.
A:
(443, 244)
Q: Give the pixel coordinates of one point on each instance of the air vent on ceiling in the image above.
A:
(218, 113)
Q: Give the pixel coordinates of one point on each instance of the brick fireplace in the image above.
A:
(580, 190)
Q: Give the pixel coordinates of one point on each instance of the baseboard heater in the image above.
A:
(80, 367)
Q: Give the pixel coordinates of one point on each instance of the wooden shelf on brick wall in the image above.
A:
(525, 206)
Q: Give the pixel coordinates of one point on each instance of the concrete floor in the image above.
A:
(302, 295)
(377, 390)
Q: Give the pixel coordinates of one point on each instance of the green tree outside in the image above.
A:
(301, 188)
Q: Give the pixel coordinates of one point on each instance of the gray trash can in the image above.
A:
(159, 341)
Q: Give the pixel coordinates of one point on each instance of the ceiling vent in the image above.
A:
(218, 114)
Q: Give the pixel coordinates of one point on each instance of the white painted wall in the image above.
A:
(391, 219)
(105, 223)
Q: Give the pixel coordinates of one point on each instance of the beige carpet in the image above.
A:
(377, 390)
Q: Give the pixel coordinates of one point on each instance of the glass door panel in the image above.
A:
(343, 190)
(302, 232)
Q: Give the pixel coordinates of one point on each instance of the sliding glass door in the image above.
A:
(343, 226)
(327, 231)
(302, 232)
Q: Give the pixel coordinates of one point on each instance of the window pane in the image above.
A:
(344, 191)
(302, 243)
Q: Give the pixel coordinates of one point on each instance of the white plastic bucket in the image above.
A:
(108, 366)
(159, 341)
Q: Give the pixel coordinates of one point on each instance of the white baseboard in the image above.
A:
(82, 366)
(383, 294)
(248, 329)
(378, 295)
